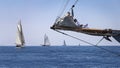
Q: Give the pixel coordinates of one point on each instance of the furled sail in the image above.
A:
(46, 41)
(20, 37)
(66, 21)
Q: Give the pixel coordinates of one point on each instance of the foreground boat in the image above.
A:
(70, 23)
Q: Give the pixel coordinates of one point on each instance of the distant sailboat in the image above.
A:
(64, 43)
(46, 41)
(79, 44)
(20, 37)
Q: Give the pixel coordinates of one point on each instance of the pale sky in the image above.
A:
(38, 15)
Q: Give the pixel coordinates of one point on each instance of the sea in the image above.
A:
(60, 57)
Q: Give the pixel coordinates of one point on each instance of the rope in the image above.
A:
(64, 8)
(89, 43)
(74, 3)
(100, 41)
(61, 13)
(74, 37)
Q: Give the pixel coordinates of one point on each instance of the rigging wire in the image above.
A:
(61, 13)
(89, 43)
(75, 3)
(100, 41)
(64, 8)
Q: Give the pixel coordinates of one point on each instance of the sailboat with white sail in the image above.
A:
(20, 41)
(79, 44)
(64, 43)
(46, 41)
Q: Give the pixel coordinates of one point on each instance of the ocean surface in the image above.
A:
(59, 57)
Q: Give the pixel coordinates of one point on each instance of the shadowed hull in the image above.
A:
(95, 32)
(19, 46)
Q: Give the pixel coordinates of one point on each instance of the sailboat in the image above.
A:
(64, 43)
(20, 37)
(46, 41)
(79, 44)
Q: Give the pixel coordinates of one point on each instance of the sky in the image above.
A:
(37, 16)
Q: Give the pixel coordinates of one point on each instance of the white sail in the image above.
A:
(64, 43)
(20, 37)
(46, 41)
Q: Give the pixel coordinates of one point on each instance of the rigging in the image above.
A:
(64, 7)
(89, 31)
(89, 43)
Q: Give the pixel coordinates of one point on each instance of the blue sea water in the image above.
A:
(59, 57)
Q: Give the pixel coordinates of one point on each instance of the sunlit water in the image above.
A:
(59, 57)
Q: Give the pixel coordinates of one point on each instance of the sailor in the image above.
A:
(72, 19)
(68, 17)
(68, 13)
(76, 22)
(85, 26)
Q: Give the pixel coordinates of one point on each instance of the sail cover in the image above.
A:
(66, 21)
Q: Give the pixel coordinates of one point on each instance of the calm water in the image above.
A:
(59, 57)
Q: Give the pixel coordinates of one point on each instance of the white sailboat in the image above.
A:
(46, 41)
(79, 44)
(20, 37)
(64, 43)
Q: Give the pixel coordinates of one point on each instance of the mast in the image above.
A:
(20, 37)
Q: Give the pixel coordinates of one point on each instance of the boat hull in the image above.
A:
(45, 45)
(19, 46)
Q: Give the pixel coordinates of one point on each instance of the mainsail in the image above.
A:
(46, 41)
(20, 37)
